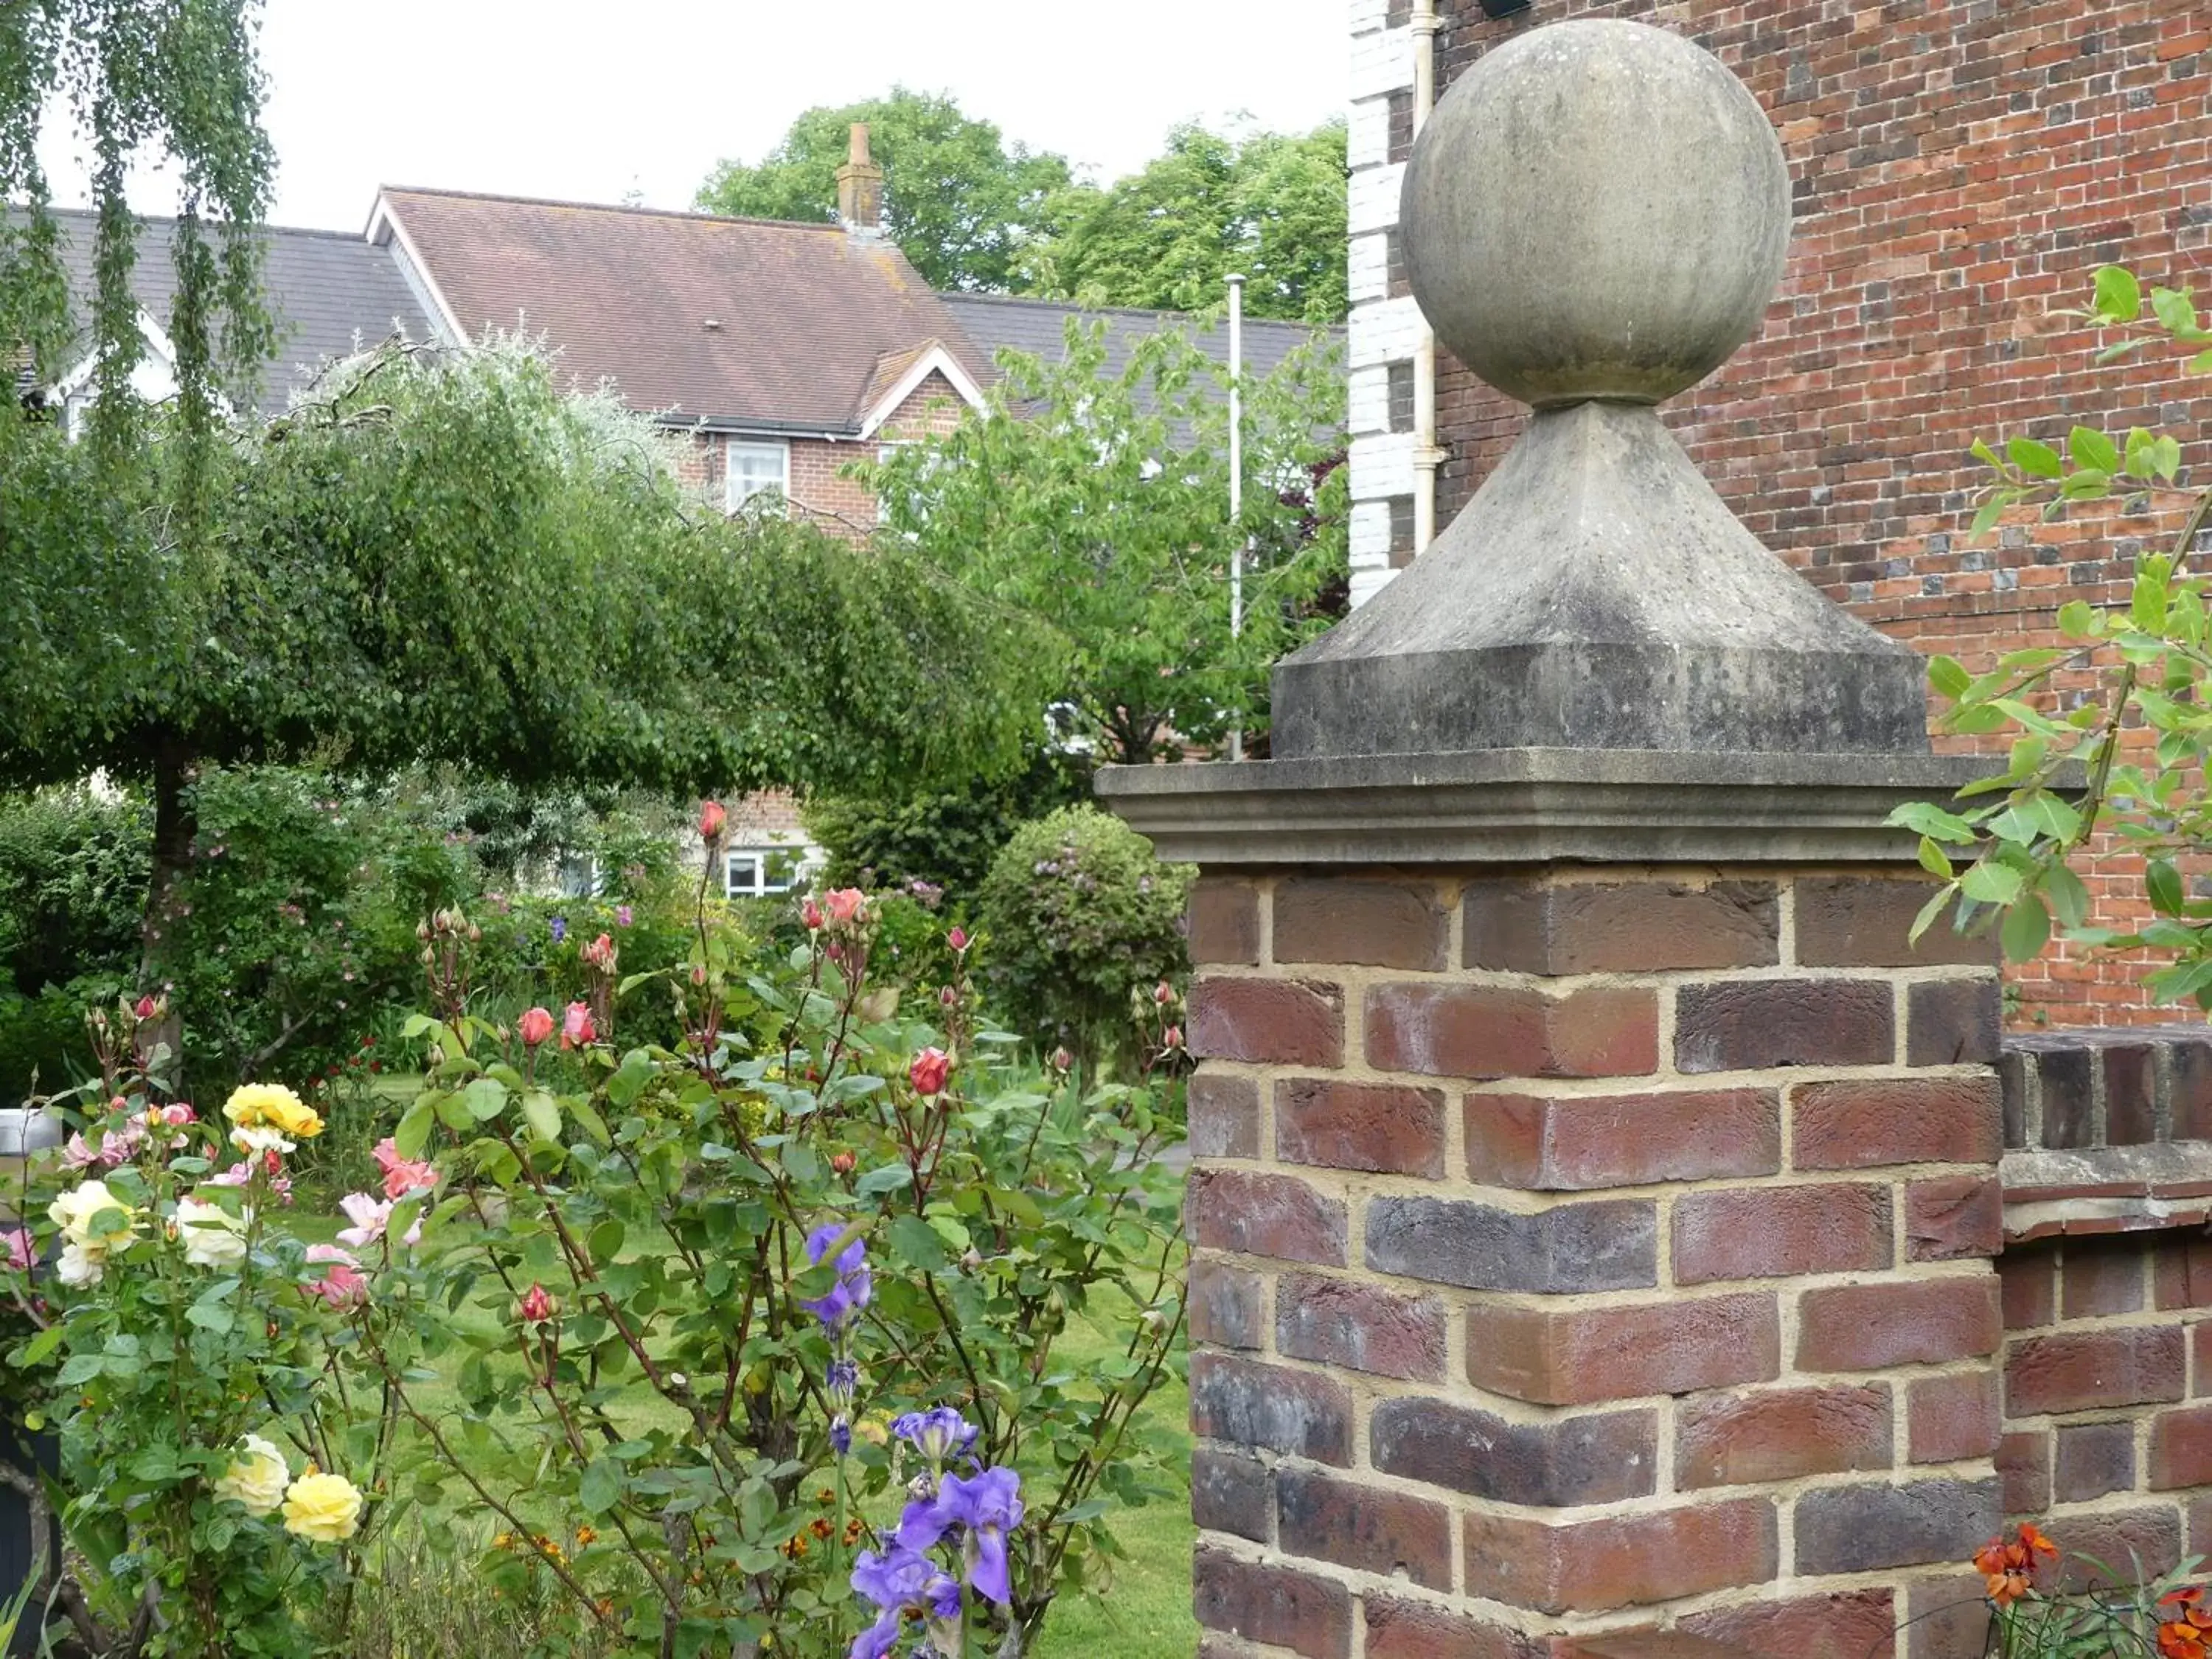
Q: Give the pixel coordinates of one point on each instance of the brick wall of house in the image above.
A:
(1960, 167)
(1579, 1252)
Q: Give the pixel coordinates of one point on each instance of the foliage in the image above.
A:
(945, 838)
(2119, 1616)
(959, 201)
(1078, 917)
(179, 84)
(1096, 502)
(686, 1323)
(1271, 205)
(2110, 732)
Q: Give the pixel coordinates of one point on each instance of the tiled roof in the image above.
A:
(734, 322)
(328, 290)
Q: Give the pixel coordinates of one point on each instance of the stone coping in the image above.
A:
(1523, 805)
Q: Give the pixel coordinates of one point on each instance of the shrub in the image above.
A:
(1078, 916)
(945, 839)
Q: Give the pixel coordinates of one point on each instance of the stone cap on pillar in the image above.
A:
(1596, 660)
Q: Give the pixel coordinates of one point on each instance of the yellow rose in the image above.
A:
(271, 1105)
(256, 1479)
(73, 1213)
(323, 1508)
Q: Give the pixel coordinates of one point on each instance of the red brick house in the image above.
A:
(1960, 169)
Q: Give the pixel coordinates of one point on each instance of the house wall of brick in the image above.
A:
(1960, 169)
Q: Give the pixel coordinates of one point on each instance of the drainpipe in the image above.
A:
(1427, 456)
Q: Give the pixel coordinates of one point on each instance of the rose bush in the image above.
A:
(752, 1339)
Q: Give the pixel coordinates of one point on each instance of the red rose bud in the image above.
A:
(1163, 994)
(712, 817)
(1172, 1038)
(1062, 1060)
(844, 1163)
(537, 1305)
(536, 1026)
(948, 998)
(146, 1009)
(810, 913)
(930, 1069)
(957, 939)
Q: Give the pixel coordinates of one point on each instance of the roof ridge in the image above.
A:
(634, 209)
(171, 219)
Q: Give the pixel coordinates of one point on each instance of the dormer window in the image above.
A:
(751, 469)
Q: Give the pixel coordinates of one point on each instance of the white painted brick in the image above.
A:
(1368, 581)
(1383, 332)
(1368, 535)
(1370, 268)
(1367, 15)
(1381, 63)
(1381, 466)
(1373, 197)
(1367, 134)
(1370, 399)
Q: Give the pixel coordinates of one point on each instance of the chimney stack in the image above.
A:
(860, 187)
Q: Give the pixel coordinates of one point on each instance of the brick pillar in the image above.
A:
(1578, 1249)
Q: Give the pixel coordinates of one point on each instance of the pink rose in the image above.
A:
(537, 1305)
(1163, 993)
(369, 1215)
(576, 1028)
(177, 1113)
(147, 1008)
(344, 1285)
(536, 1026)
(957, 939)
(403, 1175)
(20, 1252)
(930, 1069)
(846, 905)
(712, 817)
(600, 953)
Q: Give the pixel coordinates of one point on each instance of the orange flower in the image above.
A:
(2038, 1548)
(2181, 1640)
(2007, 1588)
(1989, 1560)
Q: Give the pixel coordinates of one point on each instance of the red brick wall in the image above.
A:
(1960, 167)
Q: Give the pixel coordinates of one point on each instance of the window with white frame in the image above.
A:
(757, 872)
(750, 470)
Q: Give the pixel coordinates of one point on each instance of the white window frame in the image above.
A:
(758, 858)
(736, 494)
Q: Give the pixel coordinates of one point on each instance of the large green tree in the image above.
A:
(960, 202)
(1098, 504)
(1271, 205)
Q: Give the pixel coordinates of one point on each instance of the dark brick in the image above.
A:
(1951, 1217)
(1535, 927)
(1376, 924)
(2085, 1371)
(1947, 1618)
(1779, 1434)
(1861, 1123)
(1927, 1321)
(1224, 1304)
(1948, 1022)
(2181, 1273)
(1609, 1245)
(2099, 1279)
(1401, 1629)
(1848, 1625)
(1270, 1408)
(1847, 922)
(2180, 1449)
(2013, 1070)
(2105, 1547)
(1224, 1115)
(2189, 1098)
(1949, 1419)
(1778, 1232)
(1360, 1126)
(2069, 1107)
(1578, 1142)
(1364, 1527)
(1485, 1030)
(1862, 1528)
(1594, 1459)
(1752, 1025)
(1224, 921)
(1620, 1561)
(2130, 1094)
(1579, 1356)
(2023, 1463)
(2030, 1277)
(2095, 1458)
(1361, 1326)
(1279, 1606)
(1282, 1022)
(1258, 1214)
(1231, 1492)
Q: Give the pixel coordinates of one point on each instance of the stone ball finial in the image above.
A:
(1596, 209)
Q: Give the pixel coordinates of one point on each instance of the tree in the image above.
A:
(1271, 205)
(958, 200)
(1098, 504)
(443, 558)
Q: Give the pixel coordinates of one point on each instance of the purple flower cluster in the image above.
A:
(899, 1579)
(972, 1514)
(855, 1287)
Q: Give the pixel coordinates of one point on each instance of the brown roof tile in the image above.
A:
(809, 315)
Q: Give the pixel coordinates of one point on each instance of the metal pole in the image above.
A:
(1236, 482)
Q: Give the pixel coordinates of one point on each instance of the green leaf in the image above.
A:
(2118, 296)
(601, 1488)
(2037, 460)
(1933, 861)
(2093, 451)
(485, 1097)
(2173, 311)
(1928, 913)
(1927, 818)
(884, 1179)
(413, 1134)
(2068, 896)
(1948, 676)
(2026, 929)
(913, 1243)
(2163, 883)
(629, 1079)
(1990, 883)
(540, 1112)
(211, 1316)
(2076, 619)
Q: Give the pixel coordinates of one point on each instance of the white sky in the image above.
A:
(588, 99)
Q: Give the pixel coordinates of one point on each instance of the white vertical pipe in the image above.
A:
(1427, 457)
(1237, 479)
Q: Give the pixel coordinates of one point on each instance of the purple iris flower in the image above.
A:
(987, 1508)
(560, 926)
(855, 1285)
(898, 1579)
(623, 915)
(940, 1435)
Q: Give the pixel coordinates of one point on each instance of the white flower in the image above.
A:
(257, 1138)
(78, 1267)
(213, 1237)
(256, 1479)
(73, 1213)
